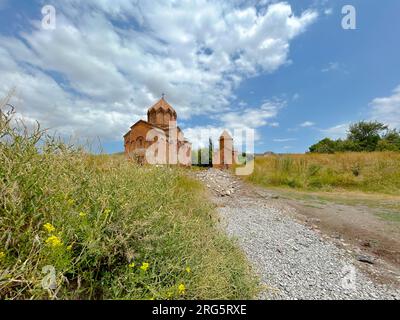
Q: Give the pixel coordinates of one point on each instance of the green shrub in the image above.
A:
(362, 136)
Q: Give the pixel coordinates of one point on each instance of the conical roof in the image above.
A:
(225, 135)
(163, 105)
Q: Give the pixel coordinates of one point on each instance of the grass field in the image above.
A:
(377, 172)
(107, 228)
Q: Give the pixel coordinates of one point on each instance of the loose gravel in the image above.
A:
(292, 260)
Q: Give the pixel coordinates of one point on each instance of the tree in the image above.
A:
(362, 136)
(346, 146)
(324, 146)
(202, 157)
(366, 135)
(390, 141)
(210, 152)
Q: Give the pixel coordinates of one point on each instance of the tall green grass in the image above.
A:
(110, 229)
(377, 172)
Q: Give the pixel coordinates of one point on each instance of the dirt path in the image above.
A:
(293, 256)
(368, 231)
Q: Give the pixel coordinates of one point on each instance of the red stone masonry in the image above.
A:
(161, 118)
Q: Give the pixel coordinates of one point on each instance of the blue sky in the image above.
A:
(286, 69)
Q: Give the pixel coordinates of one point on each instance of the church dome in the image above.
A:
(162, 105)
(161, 113)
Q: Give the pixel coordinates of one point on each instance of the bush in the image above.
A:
(324, 146)
(362, 136)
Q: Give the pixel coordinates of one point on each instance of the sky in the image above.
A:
(288, 70)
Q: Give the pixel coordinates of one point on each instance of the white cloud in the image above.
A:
(387, 109)
(250, 118)
(253, 117)
(94, 76)
(307, 124)
(336, 132)
(199, 136)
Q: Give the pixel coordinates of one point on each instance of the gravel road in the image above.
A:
(293, 260)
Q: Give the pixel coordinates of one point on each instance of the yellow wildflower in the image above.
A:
(71, 202)
(54, 242)
(144, 266)
(107, 212)
(2, 255)
(181, 288)
(49, 227)
(132, 265)
(188, 270)
(69, 248)
(82, 214)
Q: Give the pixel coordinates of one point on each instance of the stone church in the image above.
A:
(158, 140)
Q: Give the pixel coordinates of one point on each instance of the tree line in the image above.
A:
(362, 136)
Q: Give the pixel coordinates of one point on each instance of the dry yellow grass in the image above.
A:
(377, 172)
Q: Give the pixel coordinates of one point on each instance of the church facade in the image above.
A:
(158, 140)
